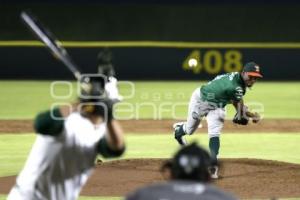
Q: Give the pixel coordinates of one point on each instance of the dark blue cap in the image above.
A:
(252, 69)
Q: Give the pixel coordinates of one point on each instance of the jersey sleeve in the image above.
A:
(237, 93)
(47, 123)
(104, 149)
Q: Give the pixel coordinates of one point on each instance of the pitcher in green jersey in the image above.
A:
(210, 100)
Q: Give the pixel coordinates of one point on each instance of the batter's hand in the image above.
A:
(112, 90)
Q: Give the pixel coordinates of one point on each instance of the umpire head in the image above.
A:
(189, 174)
(190, 163)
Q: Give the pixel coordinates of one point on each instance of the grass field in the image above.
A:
(154, 100)
(283, 147)
(23, 99)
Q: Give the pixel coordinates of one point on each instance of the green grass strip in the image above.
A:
(151, 99)
(283, 147)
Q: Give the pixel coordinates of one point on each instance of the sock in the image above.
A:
(214, 146)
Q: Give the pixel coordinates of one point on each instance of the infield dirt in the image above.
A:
(246, 178)
(165, 126)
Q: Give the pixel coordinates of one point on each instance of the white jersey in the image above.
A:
(58, 167)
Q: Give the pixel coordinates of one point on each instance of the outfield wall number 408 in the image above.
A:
(213, 61)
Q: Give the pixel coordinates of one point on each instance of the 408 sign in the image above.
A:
(213, 61)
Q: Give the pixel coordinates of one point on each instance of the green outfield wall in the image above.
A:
(148, 60)
(156, 41)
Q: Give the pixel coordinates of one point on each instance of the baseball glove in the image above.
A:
(240, 119)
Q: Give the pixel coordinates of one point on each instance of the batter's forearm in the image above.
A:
(115, 135)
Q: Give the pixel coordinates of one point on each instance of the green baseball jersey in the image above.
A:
(224, 89)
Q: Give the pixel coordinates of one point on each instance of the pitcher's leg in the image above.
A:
(215, 121)
(214, 146)
(193, 119)
(194, 113)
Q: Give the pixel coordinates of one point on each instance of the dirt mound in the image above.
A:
(165, 126)
(246, 178)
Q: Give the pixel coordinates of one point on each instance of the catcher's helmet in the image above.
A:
(191, 163)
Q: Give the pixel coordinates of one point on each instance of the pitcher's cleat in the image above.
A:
(179, 133)
(214, 172)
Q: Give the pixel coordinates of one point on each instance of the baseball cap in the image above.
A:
(191, 163)
(252, 69)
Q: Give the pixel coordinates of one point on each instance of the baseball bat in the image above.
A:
(51, 42)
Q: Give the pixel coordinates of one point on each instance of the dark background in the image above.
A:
(187, 21)
(163, 22)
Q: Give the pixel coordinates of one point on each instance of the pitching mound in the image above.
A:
(246, 178)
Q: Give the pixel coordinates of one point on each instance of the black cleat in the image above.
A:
(178, 134)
